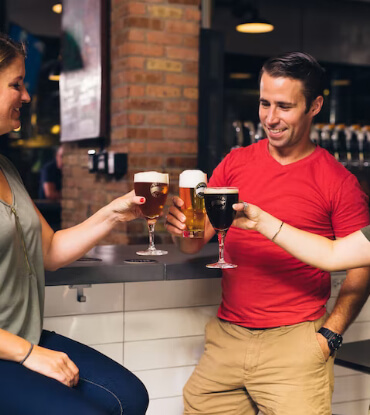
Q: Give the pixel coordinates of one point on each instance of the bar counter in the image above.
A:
(120, 263)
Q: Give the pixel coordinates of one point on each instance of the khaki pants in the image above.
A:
(279, 371)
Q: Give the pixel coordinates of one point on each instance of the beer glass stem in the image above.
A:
(151, 226)
(221, 240)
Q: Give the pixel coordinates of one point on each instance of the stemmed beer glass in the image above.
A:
(219, 206)
(154, 187)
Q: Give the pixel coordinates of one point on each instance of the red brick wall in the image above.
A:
(154, 97)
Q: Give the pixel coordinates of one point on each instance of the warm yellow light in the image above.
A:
(255, 27)
(54, 77)
(17, 129)
(55, 129)
(326, 92)
(240, 75)
(341, 82)
(33, 119)
(57, 8)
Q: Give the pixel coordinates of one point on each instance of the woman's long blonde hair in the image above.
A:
(9, 50)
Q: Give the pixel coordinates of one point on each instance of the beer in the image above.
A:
(154, 187)
(192, 184)
(219, 206)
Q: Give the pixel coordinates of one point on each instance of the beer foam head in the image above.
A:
(151, 177)
(220, 190)
(191, 178)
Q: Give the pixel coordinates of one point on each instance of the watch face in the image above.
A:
(335, 342)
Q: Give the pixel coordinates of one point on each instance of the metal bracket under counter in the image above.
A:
(81, 297)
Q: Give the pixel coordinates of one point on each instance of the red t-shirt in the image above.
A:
(270, 288)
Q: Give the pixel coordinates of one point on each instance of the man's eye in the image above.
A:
(16, 86)
(264, 104)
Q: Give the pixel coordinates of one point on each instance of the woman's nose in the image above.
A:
(26, 96)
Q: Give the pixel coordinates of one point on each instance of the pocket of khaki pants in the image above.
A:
(316, 345)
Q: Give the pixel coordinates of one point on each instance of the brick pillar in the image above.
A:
(154, 97)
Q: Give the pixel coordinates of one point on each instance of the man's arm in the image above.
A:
(352, 296)
(51, 191)
(175, 225)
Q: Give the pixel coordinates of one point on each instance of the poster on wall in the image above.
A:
(83, 80)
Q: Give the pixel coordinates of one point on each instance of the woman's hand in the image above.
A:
(247, 215)
(127, 206)
(56, 365)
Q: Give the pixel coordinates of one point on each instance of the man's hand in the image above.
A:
(175, 221)
(56, 365)
(324, 345)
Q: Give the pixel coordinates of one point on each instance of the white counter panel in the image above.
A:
(161, 324)
(155, 354)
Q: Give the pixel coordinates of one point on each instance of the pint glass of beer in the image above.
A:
(154, 187)
(192, 184)
(219, 206)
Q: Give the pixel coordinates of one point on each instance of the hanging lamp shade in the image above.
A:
(255, 26)
(251, 22)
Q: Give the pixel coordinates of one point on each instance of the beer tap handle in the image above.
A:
(251, 129)
(239, 138)
(335, 143)
(348, 133)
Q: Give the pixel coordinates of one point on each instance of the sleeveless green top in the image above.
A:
(366, 232)
(22, 278)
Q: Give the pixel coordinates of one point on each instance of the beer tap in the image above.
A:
(366, 145)
(325, 138)
(354, 144)
(249, 135)
(315, 134)
(239, 138)
(348, 134)
(361, 138)
(260, 133)
(335, 142)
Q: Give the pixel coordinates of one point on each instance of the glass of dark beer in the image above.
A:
(219, 207)
(154, 187)
(191, 186)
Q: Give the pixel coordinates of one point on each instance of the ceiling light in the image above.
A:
(241, 75)
(250, 22)
(255, 26)
(57, 8)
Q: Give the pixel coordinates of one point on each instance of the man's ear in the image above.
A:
(316, 105)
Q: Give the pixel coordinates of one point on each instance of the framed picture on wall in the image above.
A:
(84, 76)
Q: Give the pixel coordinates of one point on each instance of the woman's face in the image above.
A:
(13, 94)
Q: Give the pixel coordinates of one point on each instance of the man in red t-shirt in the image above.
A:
(264, 351)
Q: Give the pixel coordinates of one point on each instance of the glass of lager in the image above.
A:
(192, 184)
(154, 187)
(219, 206)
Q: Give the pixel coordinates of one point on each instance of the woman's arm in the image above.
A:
(353, 251)
(56, 365)
(65, 246)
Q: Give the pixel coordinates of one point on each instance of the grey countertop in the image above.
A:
(106, 264)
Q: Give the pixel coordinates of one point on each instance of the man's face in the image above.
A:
(282, 112)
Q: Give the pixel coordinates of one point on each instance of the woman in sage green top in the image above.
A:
(352, 251)
(41, 371)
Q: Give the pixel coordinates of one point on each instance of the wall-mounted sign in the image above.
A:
(83, 81)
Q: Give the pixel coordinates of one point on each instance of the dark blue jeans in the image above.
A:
(105, 387)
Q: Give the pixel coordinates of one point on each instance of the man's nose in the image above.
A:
(272, 117)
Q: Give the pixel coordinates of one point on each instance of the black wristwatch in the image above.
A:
(335, 340)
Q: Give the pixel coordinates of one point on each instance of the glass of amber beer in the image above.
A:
(192, 184)
(154, 187)
(219, 206)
